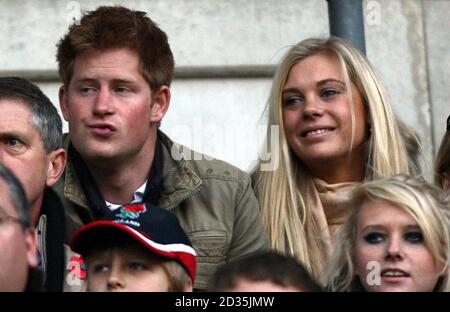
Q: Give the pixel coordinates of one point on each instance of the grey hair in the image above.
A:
(45, 117)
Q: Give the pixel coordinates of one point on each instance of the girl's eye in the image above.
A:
(414, 237)
(374, 238)
(329, 93)
(292, 100)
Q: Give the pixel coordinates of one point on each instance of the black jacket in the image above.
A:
(52, 230)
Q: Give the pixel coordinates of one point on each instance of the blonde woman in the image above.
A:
(336, 129)
(396, 239)
(443, 161)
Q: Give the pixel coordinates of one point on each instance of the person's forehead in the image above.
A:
(16, 108)
(314, 68)
(384, 213)
(16, 118)
(113, 65)
(107, 58)
(16, 101)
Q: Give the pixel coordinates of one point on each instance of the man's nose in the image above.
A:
(103, 103)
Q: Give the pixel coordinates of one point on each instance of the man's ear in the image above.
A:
(160, 105)
(57, 164)
(31, 247)
(62, 94)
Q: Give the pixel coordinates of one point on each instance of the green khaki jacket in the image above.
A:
(213, 200)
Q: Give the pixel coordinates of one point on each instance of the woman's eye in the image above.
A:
(293, 100)
(414, 237)
(329, 93)
(374, 238)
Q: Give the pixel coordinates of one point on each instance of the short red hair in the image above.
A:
(118, 27)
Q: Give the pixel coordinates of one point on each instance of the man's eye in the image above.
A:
(14, 142)
(15, 145)
(414, 237)
(122, 89)
(374, 238)
(87, 90)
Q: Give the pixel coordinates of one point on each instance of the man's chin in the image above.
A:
(100, 156)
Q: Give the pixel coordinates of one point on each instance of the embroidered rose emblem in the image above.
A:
(131, 211)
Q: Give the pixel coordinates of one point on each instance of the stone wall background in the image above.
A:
(225, 51)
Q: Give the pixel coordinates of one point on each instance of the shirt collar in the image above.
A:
(138, 197)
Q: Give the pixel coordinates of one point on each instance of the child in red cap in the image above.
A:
(137, 247)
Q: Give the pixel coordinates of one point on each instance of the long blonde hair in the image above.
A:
(429, 207)
(286, 192)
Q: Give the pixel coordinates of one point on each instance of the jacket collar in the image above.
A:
(179, 180)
